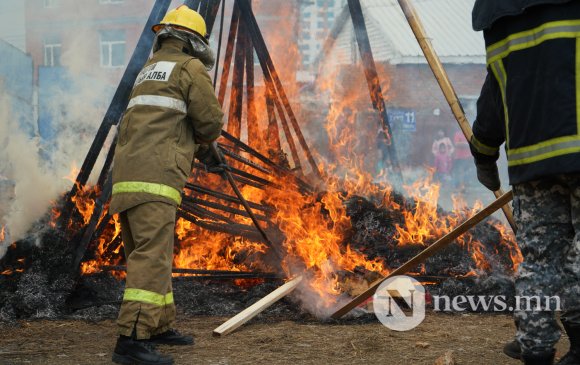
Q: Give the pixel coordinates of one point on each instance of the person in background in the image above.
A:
(530, 100)
(462, 164)
(443, 164)
(383, 151)
(442, 150)
(442, 139)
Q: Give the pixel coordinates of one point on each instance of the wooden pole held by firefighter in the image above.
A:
(428, 252)
(229, 177)
(445, 84)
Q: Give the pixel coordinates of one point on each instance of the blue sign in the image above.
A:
(403, 119)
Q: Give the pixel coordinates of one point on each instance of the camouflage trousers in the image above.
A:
(547, 214)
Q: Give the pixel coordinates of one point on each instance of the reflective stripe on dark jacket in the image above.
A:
(173, 109)
(531, 96)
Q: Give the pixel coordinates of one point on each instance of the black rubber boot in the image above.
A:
(171, 337)
(573, 356)
(138, 352)
(539, 358)
(513, 350)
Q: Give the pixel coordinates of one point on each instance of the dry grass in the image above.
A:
(474, 339)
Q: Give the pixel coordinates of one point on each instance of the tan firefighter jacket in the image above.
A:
(173, 109)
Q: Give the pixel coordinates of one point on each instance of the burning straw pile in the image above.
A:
(339, 241)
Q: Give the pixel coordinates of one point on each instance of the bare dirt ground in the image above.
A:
(473, 338)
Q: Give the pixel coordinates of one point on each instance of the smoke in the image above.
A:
(34, 187)
(41, 170)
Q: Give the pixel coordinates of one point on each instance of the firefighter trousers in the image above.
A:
(148, 232)
(547, 213)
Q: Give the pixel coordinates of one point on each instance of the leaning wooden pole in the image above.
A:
(428, 252)
(373, 81)
(445, 84)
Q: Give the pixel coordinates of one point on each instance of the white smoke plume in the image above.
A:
(34, 186)
(77, 113)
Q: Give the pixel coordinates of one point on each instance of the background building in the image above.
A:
(16, 86)
(316, 19)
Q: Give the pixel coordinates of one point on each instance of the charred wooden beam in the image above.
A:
(105, 170)
(227, 174)
(203, 213)
(226, 197)
(240, 230)
(192, 4)
(273, 130)
(268, 68)
(211, 14)
(207, 273)
(234, 125)
(113, 246)
(254, 135)
(279, 169)
(244, 160)
(228, 55)
(88, 234)
(219, 47)
(246, 175)
(222, 207)
(372, 76)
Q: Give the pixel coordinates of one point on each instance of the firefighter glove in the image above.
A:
(213, 163)
(488, 175)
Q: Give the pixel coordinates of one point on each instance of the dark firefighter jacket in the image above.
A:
(172, 110)
(531, 96)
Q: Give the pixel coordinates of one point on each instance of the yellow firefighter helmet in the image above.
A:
(184, 17)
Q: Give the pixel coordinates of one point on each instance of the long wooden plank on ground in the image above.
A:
(428, 252)
(244, 316)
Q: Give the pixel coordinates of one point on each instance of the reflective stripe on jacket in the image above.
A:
(172, 110)
(531, 97)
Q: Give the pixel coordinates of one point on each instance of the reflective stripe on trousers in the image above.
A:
(146, 187)
(145, 296)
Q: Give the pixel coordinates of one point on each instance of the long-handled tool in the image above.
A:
(445, 84)
(230, 178)
(428, 252)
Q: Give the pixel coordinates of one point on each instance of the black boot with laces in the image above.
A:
(129, 351)
(171, 337)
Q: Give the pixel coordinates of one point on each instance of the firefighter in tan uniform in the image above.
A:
(172, 116)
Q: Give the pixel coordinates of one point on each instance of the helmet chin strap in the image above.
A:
(200, 48)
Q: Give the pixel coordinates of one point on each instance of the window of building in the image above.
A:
(50, 3)
(52, 52)
(111, 1)
(112, 48)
